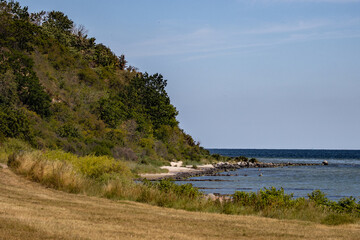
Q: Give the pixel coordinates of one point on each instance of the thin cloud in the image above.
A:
(207, 42)
(284, 28)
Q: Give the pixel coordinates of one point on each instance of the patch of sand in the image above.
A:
(175, 168)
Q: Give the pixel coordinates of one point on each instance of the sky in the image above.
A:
(281, 74)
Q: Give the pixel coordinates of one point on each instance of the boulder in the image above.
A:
(211, 196)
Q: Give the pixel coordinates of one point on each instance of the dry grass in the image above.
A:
(55, 169)
(30, 211)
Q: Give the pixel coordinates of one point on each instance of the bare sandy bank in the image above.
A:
(176, 168)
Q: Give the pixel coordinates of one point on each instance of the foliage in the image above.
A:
(63, 90)
(265, 198)
(68, 130)
(112, 111)
(14, 124)
(10, 146)
(319, 198)
(241, 159)
(344, 205)
(59, 20)
(145, 95)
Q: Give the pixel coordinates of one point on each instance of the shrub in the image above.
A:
(148, 146)
(241, 159)
(264, 199)
(15, 145)
(319, 198)
(112, 111)
(253, 160)
(68, 130)
(88, 76)
(101, 150)
(216, 156)
(124, 152)
(95, 167)
(168, 186)
(347, 205)
(8, 94)
(14, 123)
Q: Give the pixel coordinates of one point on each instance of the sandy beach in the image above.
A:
(175, 168)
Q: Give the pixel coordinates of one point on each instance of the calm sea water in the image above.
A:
(341, 178)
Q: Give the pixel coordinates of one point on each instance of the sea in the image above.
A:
(339, 179)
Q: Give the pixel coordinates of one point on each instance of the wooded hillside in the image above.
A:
(61, 89)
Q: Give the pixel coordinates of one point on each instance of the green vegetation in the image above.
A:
(59, 89)
(107, 177)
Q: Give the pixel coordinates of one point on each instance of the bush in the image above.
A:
(264, 199)
(88, 76)
(112, 111)
(241, 159)
(216, 156)
(14, 123)
(253, 160)
(68, 130)
(319, 198)
(124, 152)
(347, 205)
(168, 186)
(101, 150)
(95, 167)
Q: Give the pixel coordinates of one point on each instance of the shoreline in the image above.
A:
(179, 173)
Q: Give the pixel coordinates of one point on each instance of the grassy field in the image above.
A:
(31, 211)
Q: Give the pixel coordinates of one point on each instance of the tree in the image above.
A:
(8, 89)
(32, 94)
(112, 111)
(104, 56)
(122, 62)
(14, 8)
(13, 123)
(60, 21)
(147, 93)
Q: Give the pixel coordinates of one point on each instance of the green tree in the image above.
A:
(13, 123)
(60, 21)
(112, 111)
(147, 93)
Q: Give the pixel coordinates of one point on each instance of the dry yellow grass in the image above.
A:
(30, 211)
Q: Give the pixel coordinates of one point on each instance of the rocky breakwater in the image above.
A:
(223, 167)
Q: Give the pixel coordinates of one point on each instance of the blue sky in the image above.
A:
(242, 73)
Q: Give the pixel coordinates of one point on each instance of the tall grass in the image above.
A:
(11, 145)
(106, 177)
